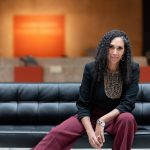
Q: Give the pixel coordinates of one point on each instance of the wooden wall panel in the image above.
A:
(85, 21)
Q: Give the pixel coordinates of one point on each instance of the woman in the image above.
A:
(106, 99)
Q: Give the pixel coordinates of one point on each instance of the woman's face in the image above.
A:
(116, 51)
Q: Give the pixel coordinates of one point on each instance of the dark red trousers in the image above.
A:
(64, 135)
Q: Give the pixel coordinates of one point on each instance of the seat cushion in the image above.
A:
(29, 136)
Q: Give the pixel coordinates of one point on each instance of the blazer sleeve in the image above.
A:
(83, 103)
(127, 103)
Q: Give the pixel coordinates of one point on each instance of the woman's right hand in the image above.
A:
(93, 140)
(90, 132)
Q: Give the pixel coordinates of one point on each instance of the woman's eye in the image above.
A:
(120, 48)
(111, 46)
(116, 47)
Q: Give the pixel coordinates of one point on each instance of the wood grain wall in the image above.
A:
(85, 21)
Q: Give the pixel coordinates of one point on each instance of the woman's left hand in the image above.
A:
(99, 132)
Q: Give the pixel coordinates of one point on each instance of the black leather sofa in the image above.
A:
(29, 111)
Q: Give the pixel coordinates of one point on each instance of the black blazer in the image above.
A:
(126, 102)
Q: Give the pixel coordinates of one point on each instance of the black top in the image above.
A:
(125, 103)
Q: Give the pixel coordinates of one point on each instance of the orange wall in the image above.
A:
(85, 21)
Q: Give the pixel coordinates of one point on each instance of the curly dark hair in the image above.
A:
(102, 52)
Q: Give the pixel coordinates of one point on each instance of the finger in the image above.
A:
(100, 139)
(96, 142)
(103, 138)
(92, 142)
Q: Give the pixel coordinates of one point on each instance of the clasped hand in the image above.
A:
(96, 139)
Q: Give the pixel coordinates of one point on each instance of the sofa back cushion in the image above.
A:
(142, 107)
(51, 103)
(37, 103)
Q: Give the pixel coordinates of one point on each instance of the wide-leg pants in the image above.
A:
(64, 135)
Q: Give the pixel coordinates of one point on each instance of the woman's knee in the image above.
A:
(126, 117)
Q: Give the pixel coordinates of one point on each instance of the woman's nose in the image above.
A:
(115, 51)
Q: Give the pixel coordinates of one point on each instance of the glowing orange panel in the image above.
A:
(39, 36)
